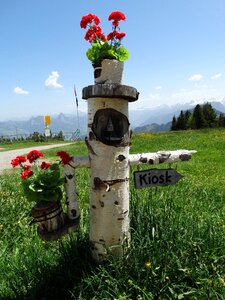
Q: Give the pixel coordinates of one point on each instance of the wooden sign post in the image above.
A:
(156, 177)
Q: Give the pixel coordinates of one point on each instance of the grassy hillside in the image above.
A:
(178, 234)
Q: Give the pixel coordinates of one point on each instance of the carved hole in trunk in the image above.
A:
(111, 127)
(73, 212)
(97, 69)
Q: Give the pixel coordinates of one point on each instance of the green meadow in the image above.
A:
(177, 248)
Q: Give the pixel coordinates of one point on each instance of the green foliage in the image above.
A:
(98, 52)
(44, 185)
(177, 234)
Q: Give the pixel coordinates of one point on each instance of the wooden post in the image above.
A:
(108, 145)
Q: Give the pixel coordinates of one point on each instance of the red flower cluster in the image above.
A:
(116, 16)
(115, 35)
(65, 157)
(88, 19)
(94, 32)
(26, 174)
(33, 155)
(18, 161)
(44, 165)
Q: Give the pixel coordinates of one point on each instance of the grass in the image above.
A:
(177, 249)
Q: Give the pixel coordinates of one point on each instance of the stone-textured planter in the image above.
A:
(108, 71)
(48, 215)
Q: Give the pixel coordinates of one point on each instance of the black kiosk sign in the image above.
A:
(156, 177)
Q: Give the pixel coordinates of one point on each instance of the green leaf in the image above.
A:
(102, 51)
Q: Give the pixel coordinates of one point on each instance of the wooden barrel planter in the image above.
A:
(49, 216)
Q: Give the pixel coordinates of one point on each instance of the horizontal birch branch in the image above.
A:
(142, 158)
(160, 157)
(80, 162)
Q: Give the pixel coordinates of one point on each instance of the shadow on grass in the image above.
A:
(57, 282)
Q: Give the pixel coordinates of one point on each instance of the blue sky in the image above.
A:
(177, 52)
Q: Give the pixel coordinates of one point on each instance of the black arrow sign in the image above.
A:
(156, 177)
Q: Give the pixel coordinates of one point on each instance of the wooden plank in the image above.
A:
(110, 90)
(156, 177)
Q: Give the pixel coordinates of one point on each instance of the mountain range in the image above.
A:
(154, 119)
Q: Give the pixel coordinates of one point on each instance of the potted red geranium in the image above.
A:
(106, 52)
(42, 183)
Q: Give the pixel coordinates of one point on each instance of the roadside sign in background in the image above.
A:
(47, 120)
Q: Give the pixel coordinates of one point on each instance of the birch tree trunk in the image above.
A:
(109, 184)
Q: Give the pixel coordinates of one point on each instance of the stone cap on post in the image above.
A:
(110, 90)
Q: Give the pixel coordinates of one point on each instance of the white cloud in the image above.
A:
(51, 81)
(195, 77)
(20, 91)
(158, 87)
(216, 76)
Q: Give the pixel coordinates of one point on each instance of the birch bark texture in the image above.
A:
(71, 193)
(108, 145)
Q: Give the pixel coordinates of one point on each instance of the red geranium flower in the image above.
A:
(44, 165)
(120, 35)
(18, 160)
(115, 35)
(93, 33)
(27, 167)
(33, 155)
(88, 19)
(104, 46)
(26, 173)
(65, 157)
(117, 16)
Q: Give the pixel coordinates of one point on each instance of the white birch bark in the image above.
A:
(160, 157)
(71, 193)
(109, 198)
(80, 162)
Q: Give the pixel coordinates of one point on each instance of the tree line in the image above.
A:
(203, 116)
(35, 136)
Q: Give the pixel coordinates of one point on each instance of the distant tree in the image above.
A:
(181, 121)
(37, 137)
(209, 115)
(174, 123)
(221, 120)
(198, 118)
(59, 136)
(188, 119)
